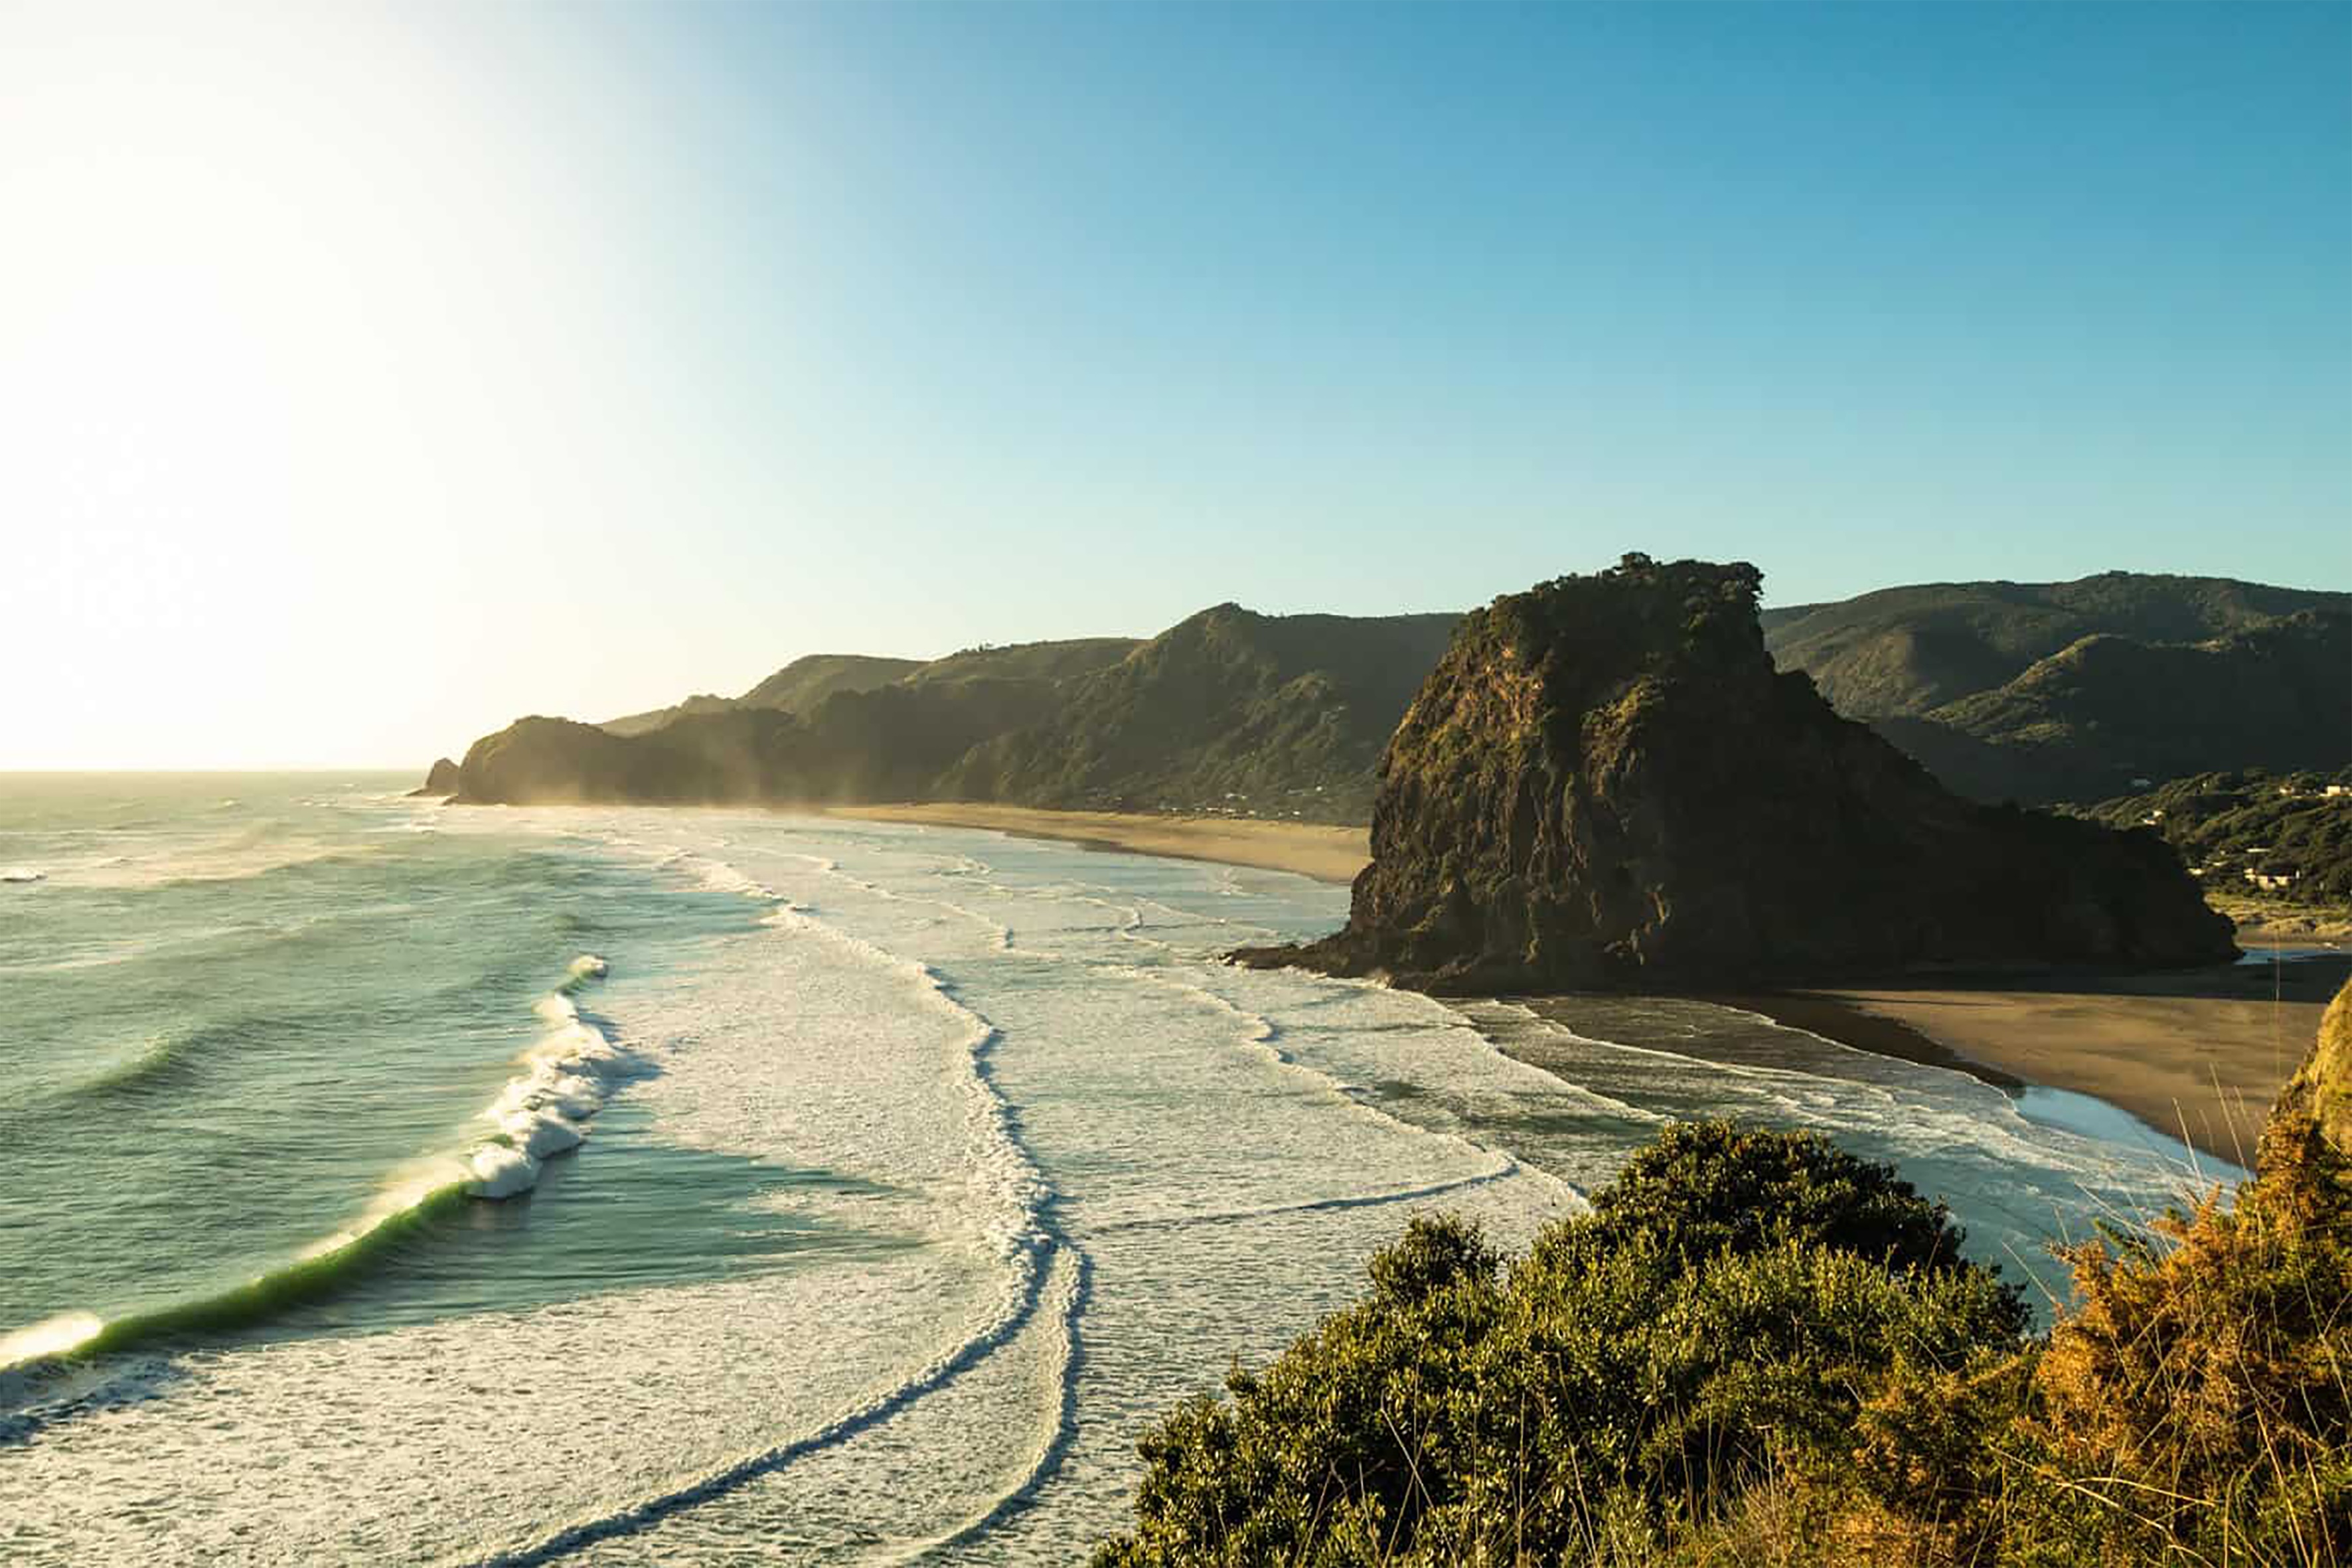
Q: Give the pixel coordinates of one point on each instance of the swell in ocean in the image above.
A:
(565, 1078)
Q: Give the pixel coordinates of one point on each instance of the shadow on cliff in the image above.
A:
(1606, 784)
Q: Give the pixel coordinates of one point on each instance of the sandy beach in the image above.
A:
(2199, 1053)
(1311, 849)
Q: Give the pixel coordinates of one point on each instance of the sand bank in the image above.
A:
(1310, 849)
(2199, 1053)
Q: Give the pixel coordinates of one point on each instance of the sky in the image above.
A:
(372, 376)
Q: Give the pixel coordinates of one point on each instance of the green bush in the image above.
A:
(1758, 1350)
(1716, 1323)
(1704, 1187)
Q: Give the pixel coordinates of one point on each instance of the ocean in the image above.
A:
(392, 1182)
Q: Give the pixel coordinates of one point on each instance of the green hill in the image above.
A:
(1907, 652)
(2283, 836)
(1228, 709)
(888, 743)
(2056, 691)
(1025, 661)
(802, 686)
(798, 687)
(805, 682)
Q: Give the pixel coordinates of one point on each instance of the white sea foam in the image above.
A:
(50, 1336)
(1078, 1173)
(566, 1078)
(23, 873)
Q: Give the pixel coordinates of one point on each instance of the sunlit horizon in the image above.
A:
(379, 374)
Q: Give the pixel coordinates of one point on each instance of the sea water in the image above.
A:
(386, 1182)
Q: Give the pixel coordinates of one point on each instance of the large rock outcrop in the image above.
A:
(1606, 783)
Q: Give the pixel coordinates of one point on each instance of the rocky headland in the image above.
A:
(1606, 783)
(441, 779)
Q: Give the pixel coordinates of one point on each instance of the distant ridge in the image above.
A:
(1275, 715)
(798, 686)
(1227, 710)
(2036, 692)
(2080, 690)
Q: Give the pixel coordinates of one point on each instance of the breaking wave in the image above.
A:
(543, 1112)
(28, 1354)
(566, 1078)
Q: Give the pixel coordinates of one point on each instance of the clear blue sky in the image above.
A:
(625, 351)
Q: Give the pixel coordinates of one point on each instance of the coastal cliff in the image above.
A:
(1605, 781)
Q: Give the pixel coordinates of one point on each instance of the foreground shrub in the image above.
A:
(2200, 1397)
(1715, 1323)
(1756, 1349)
(2195, 1406)
(1704, 1187)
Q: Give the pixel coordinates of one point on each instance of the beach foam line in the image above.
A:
(1020, 1229)
(1261, 1033)
(644, 1515)
(1505, 1167)
(1046, 1460)
(999, 933)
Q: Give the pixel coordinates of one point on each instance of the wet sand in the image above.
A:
(2199, 1054)
(1311, 849)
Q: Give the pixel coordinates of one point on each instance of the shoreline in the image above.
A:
(2197, 1055)
(1325, 853)
(1832, 1018)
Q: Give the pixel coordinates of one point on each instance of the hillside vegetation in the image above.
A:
(802, 685)
(2034, 692)
(1907, 652)
(1228, 711)
(2053, 691)
(2285, 837)
(1757, 1349)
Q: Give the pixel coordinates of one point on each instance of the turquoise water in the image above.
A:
(421, 1185)
(249, 1015)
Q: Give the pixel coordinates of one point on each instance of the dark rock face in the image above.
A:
(1606, 783)
(441, 779)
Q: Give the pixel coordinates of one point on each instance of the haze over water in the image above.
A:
(917, 1170)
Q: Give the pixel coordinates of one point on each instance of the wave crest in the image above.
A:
(566, 1079)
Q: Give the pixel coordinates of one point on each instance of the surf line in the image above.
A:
(1033, 1249)
(1049, 1456)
